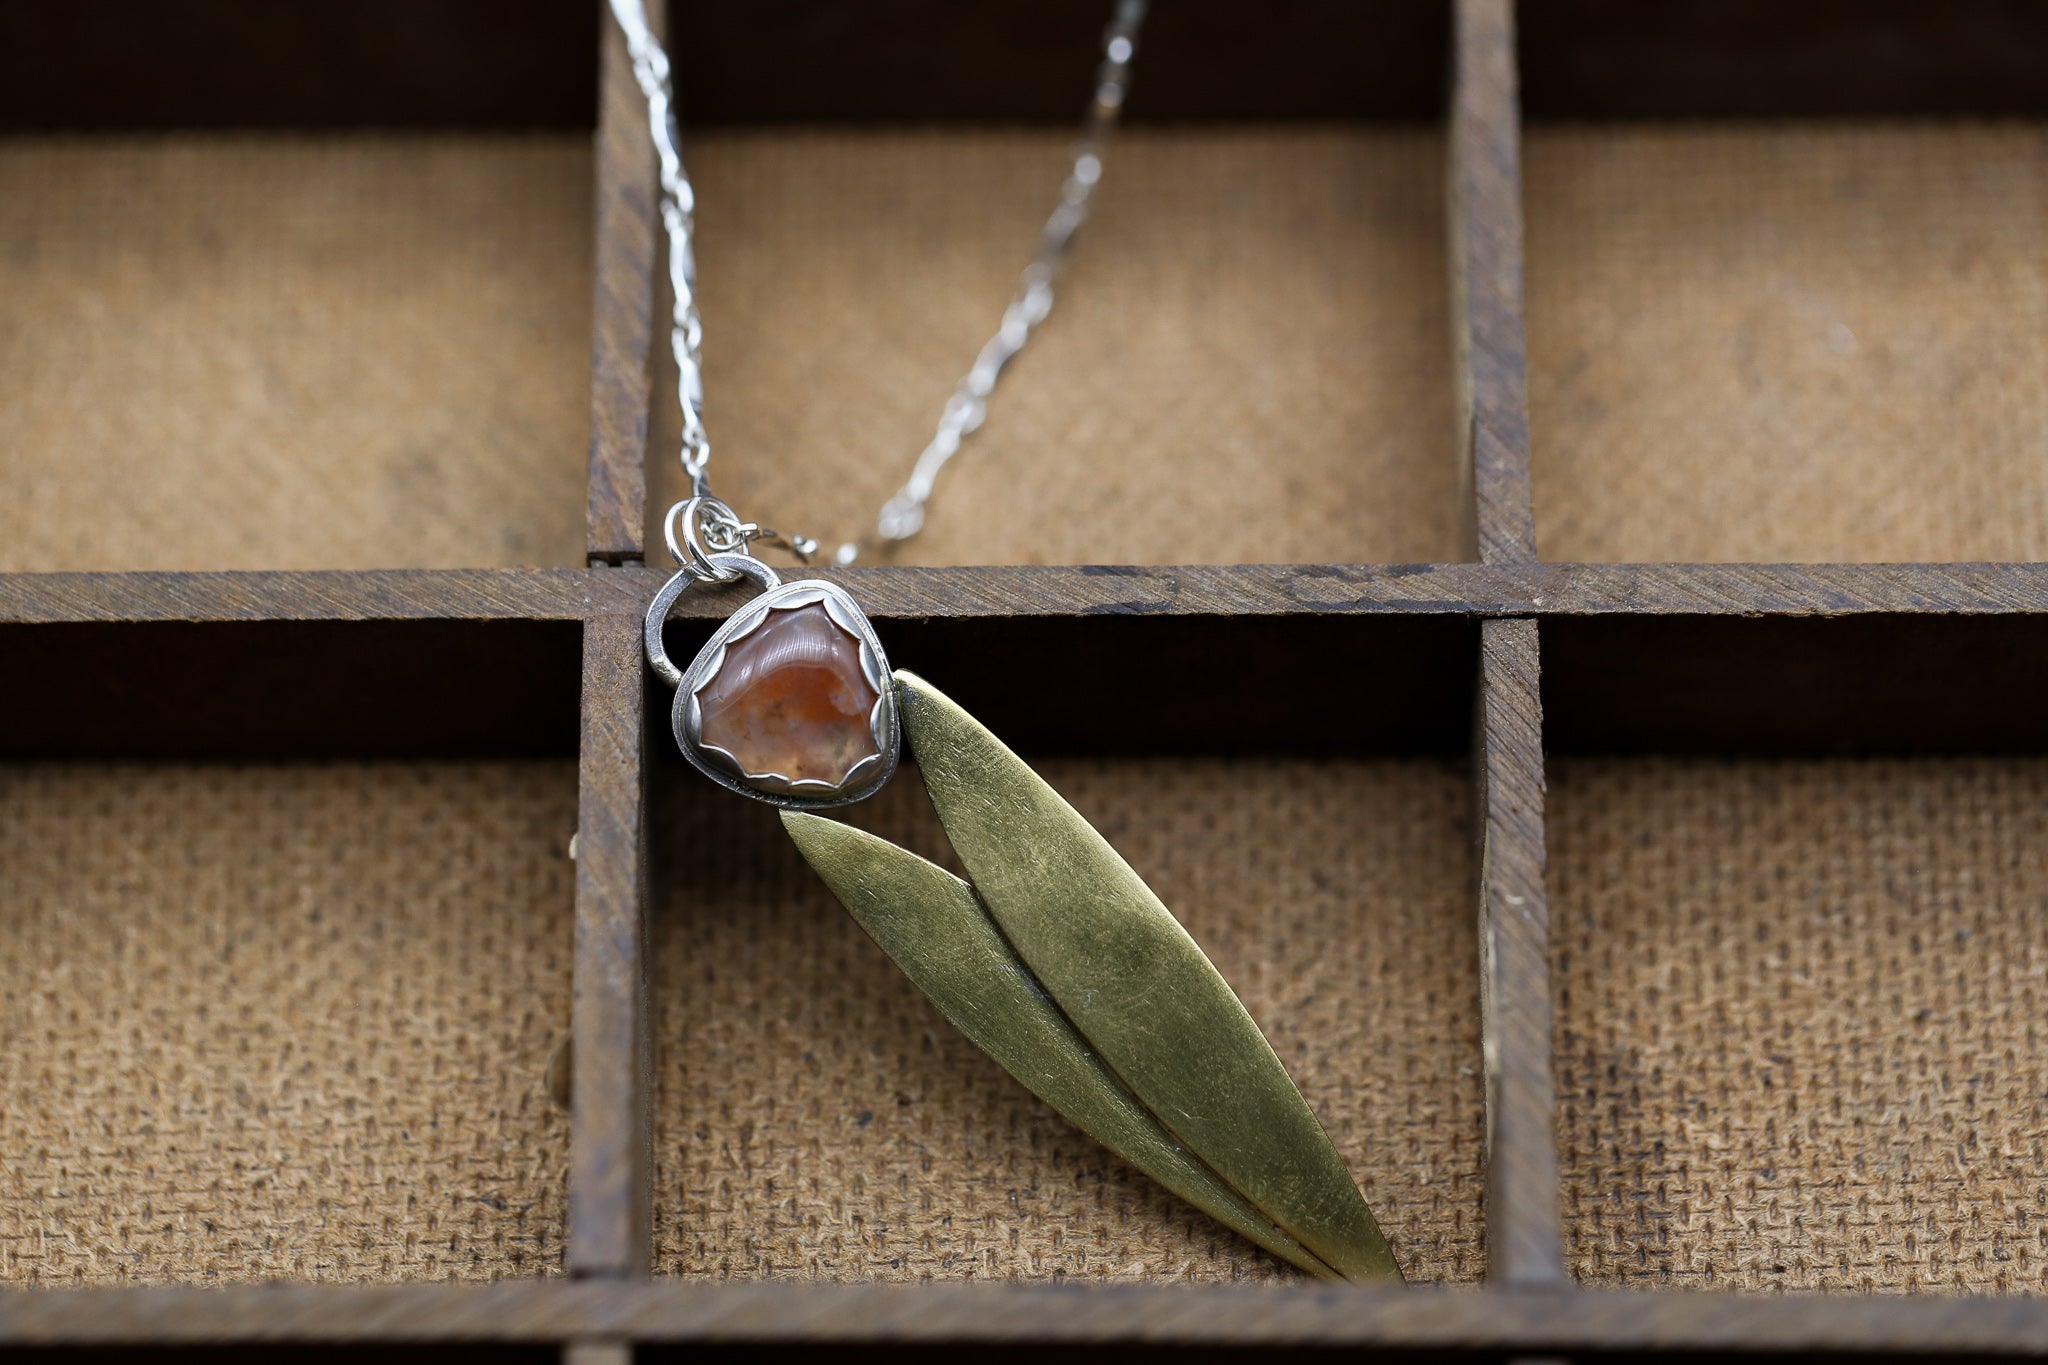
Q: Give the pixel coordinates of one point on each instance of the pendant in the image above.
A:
(1053, 957)
(790, 700)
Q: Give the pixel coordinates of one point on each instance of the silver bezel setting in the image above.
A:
(809, 793)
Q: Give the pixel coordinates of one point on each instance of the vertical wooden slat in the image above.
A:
(1522, 1230)
(611, 1105)
(1484, 185)
(611, 1112)
(622, 310)
(1485, 189)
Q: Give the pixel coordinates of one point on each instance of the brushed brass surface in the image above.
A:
(1136, 986)
(936, 929)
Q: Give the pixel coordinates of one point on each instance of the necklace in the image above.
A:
(1053, 957)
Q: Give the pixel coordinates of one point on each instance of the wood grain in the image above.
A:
(1208, 590)
(369, 595)
(1524, 1244)
(610, 1153)
(1523, 1241)
(1052, 591)
(1484, 184)
(1422, 1320)
(622, 327)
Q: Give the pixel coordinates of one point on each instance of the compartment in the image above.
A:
(290, 288)
(1797, 1036)
(1249, 359)
(334, 350)
(1782, 291)
(1782, 341)
(285, 1021)
(817, 1119)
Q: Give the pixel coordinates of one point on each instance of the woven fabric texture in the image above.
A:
(1248, 361)
(374, 352)
(818, 1119)
(1802, 343)
(282, 1022)
(1789, 343)
(1800, 1037)
(282, 353)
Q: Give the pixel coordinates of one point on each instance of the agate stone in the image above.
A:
(791, 700)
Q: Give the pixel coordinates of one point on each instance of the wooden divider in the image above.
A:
(1523, 1242)
(611, 1114)
(622, 310)
(612, 1111)
(1752, 625)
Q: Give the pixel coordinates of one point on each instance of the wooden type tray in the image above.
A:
(1504, 652)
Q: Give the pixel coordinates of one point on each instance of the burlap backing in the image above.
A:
(1760, 343)
(293, 353)
(374, 352)
(1248, 360)
(282, 1022)
(819, 1119)
(1800, 1039)
(1774, 343)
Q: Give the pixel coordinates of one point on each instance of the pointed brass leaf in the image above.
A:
(937, 931)
(1135, 985)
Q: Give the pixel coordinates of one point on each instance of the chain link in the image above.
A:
(679, 218)
(903, 515)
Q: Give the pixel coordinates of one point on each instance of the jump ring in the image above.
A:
(689, 550)
(721, 569)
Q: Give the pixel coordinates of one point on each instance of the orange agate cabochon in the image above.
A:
(791, 699)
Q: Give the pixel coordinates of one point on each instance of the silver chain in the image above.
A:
(903, 515)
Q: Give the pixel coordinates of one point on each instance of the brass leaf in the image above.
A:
(935, 928)
(1136, 986)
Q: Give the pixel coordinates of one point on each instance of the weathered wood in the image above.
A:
(1428, 589)
(1524, 1244)
(1621, 59)
(622, 312)
(1484, 185)
(359, 595)
(1028, 61)
(1523, 1241)
(138, 65)
(135, 65)
(1054, 591)
(611, 1113)
(598, 1353)
(1555, 1319)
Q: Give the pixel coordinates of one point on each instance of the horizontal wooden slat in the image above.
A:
(137, 65)
(1018, 592)
(1029, 61)
(1457, 589)
(1707, 59)
(365, 595)
(1550, 1319)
